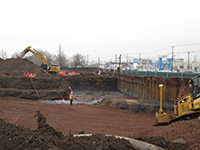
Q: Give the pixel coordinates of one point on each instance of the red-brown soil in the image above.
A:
(97, 119)
(46, 137)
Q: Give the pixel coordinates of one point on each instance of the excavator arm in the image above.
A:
(35, 52)
(52, 69)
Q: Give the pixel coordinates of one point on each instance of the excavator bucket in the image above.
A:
(162, 118)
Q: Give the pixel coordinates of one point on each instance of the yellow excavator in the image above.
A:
(187, 107)
(52, 69)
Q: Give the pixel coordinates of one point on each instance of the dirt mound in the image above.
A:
(22, 65)
(182, 131)
(161, 142)
(181, 135)
(137, 105)
(45, 137)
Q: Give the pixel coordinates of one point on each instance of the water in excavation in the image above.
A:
(86, 97)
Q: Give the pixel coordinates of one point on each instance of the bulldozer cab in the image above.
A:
(184, 106)
(191, 101)
(195, 90)
(195, 87)
(187, 106)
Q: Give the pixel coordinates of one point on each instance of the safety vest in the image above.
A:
(70, 96)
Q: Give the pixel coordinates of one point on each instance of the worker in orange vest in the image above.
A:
(71, 97)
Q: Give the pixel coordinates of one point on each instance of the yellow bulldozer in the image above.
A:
(52, 69)
(187, 107)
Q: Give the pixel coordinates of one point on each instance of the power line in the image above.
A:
(191, 44)
(187, 52)
(159, 50)
(186, 44)
(156, 50)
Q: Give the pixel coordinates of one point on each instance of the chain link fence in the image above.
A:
(157, 74)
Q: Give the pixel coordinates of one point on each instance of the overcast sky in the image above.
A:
(100, 28)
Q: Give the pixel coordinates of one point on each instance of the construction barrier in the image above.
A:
(34, 87)
(62, 73)
(18, 74)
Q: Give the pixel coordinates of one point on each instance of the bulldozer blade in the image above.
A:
(162, 119)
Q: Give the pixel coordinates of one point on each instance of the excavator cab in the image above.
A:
(53, 69)
(44, 66)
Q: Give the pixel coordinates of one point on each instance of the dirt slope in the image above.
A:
(13, 65)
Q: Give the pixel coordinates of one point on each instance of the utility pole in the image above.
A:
(87, 59)
(99, 61)
(120, 56)
(172, 58)
(188, 60)
(115, 58)
(127, 58)
(140, 60)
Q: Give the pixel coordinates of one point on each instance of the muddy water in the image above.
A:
(87, 97)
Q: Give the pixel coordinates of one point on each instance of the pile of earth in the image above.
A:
(180, 135)
(137, 105)
(19, 66)
(161, 142)
(45, 137)
(183, 132)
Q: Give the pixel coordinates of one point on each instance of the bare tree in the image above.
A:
(15, 55)
(61, 57)
(3, 54)
(49, 57)
(78, 60)
(31, 57)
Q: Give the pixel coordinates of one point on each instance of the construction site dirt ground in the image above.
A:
(99, 119)
(110, 112)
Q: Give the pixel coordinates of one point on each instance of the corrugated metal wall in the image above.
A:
(148, 87)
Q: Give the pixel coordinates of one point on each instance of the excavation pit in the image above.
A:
(20, 99)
